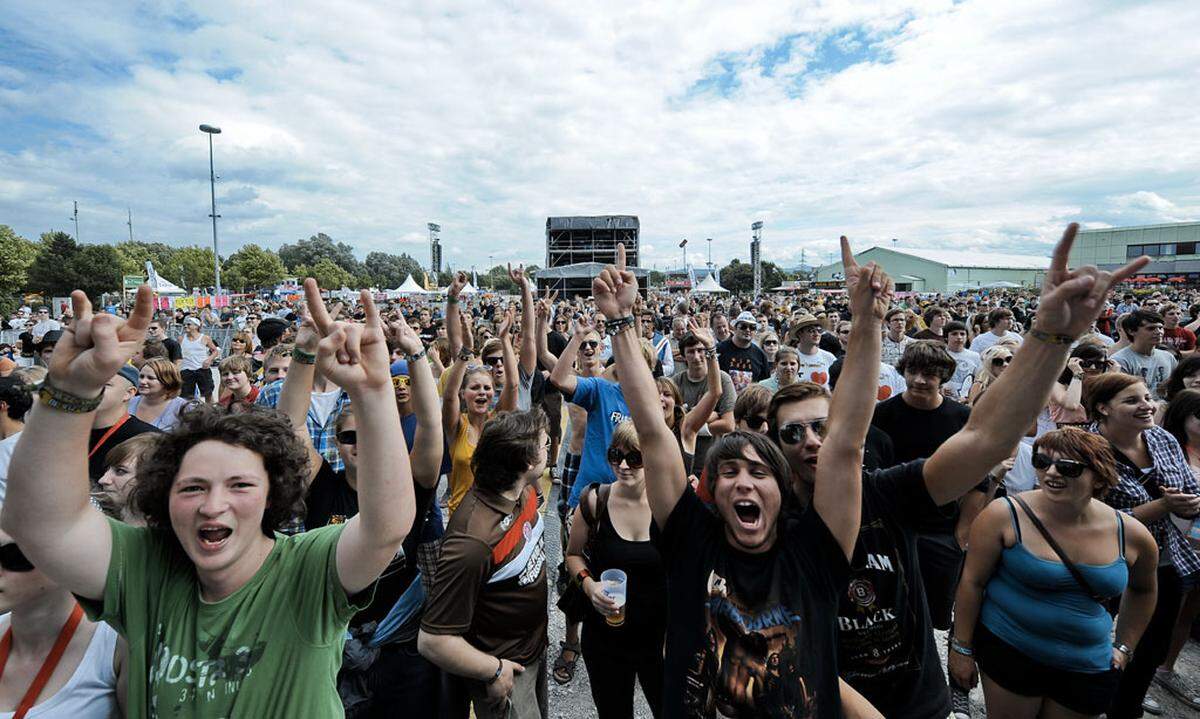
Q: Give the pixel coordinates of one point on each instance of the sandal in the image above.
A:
(1178, 686)
(564, 669)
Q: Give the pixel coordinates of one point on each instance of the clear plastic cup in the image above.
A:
(615, 584)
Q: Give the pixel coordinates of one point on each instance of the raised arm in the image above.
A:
(46, 510)
(563, 375)
(462, 344)
(509, 392)
(697, 416)
(544, 310)
(355, 357)
(837, 490)
(528, 352)
(426, 456)
(666, 479)
(1070, 300)
(295, 396)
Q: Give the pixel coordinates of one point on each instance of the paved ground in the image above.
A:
(574, 701)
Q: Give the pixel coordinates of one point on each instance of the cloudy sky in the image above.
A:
(979, 124)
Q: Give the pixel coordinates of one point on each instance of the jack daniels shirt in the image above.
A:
(750, 635)
(886, 649)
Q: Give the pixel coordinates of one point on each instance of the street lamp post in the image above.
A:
(212, 186)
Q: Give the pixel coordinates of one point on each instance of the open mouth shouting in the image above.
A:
(212, 537)
(749, 514)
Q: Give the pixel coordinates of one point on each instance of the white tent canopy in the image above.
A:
(1002, 284)
(709, 284)
(468, 289)
(166, 287)
(409, 287)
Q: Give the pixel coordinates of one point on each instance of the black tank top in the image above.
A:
(646, 602)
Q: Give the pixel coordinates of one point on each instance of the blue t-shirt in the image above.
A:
(606, 409)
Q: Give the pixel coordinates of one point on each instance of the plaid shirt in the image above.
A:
(1170, 469)
(322, 434)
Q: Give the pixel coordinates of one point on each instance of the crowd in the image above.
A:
(768, 504)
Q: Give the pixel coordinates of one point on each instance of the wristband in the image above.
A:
(416, 356)
(615, 327)
(959, 648)
(451, 300)
(465, 354)
(303, 357)
(1123, 648)
(1051, 338)
(55, 398)
(499, 671)
(710, 353)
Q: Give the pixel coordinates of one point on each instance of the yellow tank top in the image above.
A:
(462, 478)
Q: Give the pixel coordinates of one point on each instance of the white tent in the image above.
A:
(468, 289)
(166, 287)
(1002, 284)
(709, 284)
(409, 287)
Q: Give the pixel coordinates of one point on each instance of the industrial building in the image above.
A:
(1174, 250)
(918, 270)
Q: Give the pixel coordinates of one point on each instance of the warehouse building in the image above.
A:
(915, 270)
(1174, 250)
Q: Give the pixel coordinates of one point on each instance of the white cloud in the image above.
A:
(986, 126)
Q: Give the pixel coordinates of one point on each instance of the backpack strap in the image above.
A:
(1037, 523)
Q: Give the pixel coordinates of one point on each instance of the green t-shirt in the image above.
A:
(271, 649)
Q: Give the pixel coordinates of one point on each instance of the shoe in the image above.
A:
(960, 702)
(1179, 687)
(1150, 705)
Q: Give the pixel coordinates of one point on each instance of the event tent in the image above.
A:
(409, 287)
(164, 286)
(709, 284)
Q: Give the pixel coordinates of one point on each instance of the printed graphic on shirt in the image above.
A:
(749, 665)
(524, 533)
(741, 371)
(871, 636)
(179, 681)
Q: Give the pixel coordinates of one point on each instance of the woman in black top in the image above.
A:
(613, 528)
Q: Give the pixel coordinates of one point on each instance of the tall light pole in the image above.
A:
(710, 264)
(756, 255)
(435, 250)
(75, 216)
(212, 186)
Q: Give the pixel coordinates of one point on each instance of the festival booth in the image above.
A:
(408, 288)
(709, 285)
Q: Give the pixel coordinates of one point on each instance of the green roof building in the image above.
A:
(1173, 249)
(917, 270)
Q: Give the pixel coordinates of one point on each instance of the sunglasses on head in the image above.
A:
(12, 559)
(1068, 468)
(633, 458)
(997, 361)
(794, 433)
(347, 436)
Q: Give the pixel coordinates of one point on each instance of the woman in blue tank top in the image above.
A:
(1042, 639)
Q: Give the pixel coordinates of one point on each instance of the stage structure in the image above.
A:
(577, 248)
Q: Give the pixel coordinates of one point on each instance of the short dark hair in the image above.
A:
(270, 331)
(154, 348)
(1187, 367)
(1134, 320)
(927, 356)
(732, 446)
(507, 448)
(794, 392)
(933, 312)
(1102, 388)
(688, 340)
(266, 432)
(954, 326)
(754, 399)
(17, 396)
(1185, 404)
(1000, 313)
(892, 313)
(1087, 352)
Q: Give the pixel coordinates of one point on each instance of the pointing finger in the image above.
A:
(1058, 262)
(621, 256)
(368, 303)
(848, 261)
(316, 306)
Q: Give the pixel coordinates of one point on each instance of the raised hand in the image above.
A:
(518, 276)
(457, 282)
(704, 334)
(307, 336)
(868, 287)
(468, 333)
(1072, 299)
(353, 356)
(94, 347)
(405, 337)
(583, 326)
(506, 321)
(615, 289)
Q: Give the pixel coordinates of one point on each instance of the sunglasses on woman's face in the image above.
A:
(589, 345)
(633, 458)
(997, 361)
(12, 559)
(1068, 468)
(1094, 364)
(348, 436)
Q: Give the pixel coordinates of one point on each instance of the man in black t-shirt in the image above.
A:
(155, 332)
(744, 361)
(112, 424)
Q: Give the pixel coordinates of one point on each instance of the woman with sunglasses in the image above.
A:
(1066, 398)
(54, 661)
(994, 361)
(214, 492)
(1156, 484)
(612, 529)
(770, 345)
(1042, 636)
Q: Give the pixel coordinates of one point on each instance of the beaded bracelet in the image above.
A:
(416, 356)
(55, 398)
(303, 357)
(615, 327)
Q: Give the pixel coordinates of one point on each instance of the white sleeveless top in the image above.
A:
(194, 352)
(90, 693)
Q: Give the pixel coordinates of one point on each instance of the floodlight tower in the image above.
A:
(755, 254)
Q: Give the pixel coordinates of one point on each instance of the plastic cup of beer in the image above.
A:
(615, 584)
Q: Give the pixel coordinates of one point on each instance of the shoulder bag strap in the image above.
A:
(1041, 528)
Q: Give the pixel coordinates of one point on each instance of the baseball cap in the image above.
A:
(130, 373)
(400, 367)
(192, 321)
(746, 317)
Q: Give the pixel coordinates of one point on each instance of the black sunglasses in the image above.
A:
(633, 458)
(1068, 468)
(1094, 364)
(997, 361)
(12, 559)
(755, 422)
(589, 345)
(794, 433)
(348, 436)
(493, 361)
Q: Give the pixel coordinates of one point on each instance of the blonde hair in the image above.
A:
(625, 437)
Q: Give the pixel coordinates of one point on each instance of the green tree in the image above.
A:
(738, 276)
(97, 270)
(252, 267)
(189, 267)
(52, 273)
(17, 254)
(133, 256)
(327, 273)
(388, 271)
(320, 246)
(657, 279)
